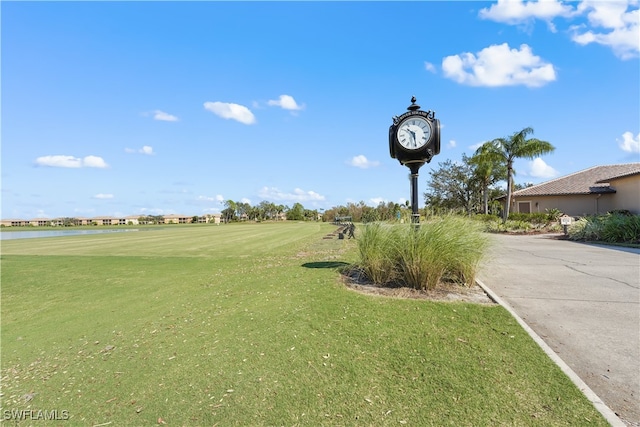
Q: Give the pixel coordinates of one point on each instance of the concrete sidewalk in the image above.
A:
(584, 302)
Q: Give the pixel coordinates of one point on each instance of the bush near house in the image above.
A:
(615, 227)
(546, 222)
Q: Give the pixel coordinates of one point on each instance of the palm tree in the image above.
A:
(503, 151)
(487, 172)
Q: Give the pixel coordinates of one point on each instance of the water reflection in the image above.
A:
(11, 235)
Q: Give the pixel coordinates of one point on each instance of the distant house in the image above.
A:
(177, 219)
(105, 220)
(596, 190)
(132, 219)
(210, 218)
(15, 223)
(81, 221)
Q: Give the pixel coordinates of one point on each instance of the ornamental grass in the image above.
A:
(420, 257)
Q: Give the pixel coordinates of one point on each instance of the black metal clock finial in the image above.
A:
(413, 106)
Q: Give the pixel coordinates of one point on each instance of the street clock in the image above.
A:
(414, 138)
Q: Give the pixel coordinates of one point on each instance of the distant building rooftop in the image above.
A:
(595, 180)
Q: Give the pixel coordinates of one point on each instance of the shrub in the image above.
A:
(509, 226)
(553, 214)
(420, 257)
(611, 228)
(533, 218)
(486, 217)
(621, 228)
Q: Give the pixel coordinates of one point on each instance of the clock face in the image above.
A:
(414, 133)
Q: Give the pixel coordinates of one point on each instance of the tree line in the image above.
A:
(269, 211)
(265, 210)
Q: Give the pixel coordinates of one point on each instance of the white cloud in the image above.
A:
(518, 11)
(375, 201)
(362, 162)
(451, 144)
(146, 149)
(94, 162)
(286, 102)
(217, 198)
(499, 65)
(165, 117)
(429, 67)
(232, 111)
(61, 161)
(245, 200)
(206, 199)
(539, 169)
(103, 196)
(614, 24)
(298, 195)
(629, 143)
(620, 27)
(474, 147)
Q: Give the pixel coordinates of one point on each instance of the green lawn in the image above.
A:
(249, 325)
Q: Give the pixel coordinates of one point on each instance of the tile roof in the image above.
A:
(589, 181)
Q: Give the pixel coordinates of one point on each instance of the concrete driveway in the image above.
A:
(584, 301)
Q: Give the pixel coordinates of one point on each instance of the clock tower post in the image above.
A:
(414, 138)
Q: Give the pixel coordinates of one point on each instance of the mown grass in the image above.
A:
(249, 325)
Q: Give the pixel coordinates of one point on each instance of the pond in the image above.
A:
(10, 235)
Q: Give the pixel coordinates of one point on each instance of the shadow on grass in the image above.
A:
(326, 264)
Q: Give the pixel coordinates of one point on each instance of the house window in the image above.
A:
(524, 207)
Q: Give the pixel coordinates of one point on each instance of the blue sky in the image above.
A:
(160, 107)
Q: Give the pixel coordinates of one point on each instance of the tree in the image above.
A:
(311, 215)
(505, 150)
(243, 210)
(453, 186)
(488, 172)
(370, 214)
(296, 213)
(266, 210)
(229, 212)
(68, 221)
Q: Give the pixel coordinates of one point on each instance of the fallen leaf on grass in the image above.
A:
(161, 421)
(108, 348)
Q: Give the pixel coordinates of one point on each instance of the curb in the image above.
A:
(606, 412)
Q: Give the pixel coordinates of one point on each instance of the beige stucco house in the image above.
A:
(177, 219)
(596, 190)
